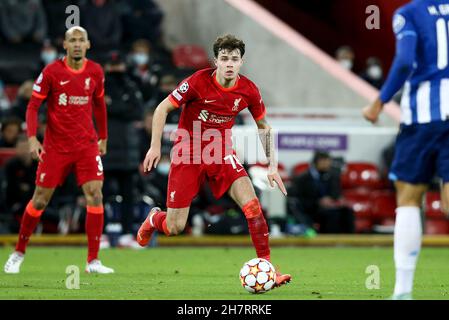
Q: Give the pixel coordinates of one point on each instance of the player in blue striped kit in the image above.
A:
(421, 65)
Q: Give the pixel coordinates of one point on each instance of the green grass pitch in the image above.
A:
(212, 273)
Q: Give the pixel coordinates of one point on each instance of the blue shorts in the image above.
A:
(421, 151)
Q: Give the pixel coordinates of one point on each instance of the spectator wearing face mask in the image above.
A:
(373, 72)
(49, 53)
(345, 57)
(121, 163)
(155, 183)
(143, 69)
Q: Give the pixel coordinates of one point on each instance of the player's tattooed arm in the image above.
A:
(159, 119)
(266, 136)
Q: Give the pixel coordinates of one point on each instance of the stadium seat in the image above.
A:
(190, 57)
(6, 154)
(432, 205)
(300, 168)
(361, 174)
(383, 205)
(11, 92)
(437, 226)
(360, 202)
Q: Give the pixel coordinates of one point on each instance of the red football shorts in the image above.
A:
(55, 167)
(185, 180)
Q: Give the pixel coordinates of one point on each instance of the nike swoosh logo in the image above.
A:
(265, 234)
(240, 170)
(64, 82)
(99, 173)
(209, 101)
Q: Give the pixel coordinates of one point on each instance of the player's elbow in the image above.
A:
(404, 64)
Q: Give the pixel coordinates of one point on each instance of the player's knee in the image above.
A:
(252, 209)
(94, 196)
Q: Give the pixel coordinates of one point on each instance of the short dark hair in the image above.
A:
(11, 121)
(228, 42)
(319, 155)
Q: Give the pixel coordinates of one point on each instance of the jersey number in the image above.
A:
(234, 161)
(442, 42)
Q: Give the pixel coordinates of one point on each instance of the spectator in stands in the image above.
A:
(167, 84)
(145, 133)
(11, 129)
(101, 19)
(49, 53)
(125, 107)
(56, 18)
(4, 101)
(318, 196)
(345, 56)
(373, 72)
(143, 71)
(142, 20)
(156, 182)
(19, 107)
(23, 20)
(20, 172)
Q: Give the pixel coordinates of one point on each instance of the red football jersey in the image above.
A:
(69, 94)
(205, 102)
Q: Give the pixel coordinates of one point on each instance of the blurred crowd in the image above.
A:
(140, 71)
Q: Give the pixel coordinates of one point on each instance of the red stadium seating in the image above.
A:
(300, 168)
(360, 202)
(433, 205)
(383, 205)
(190, 57)
(437, 226)
(361, 174)
(6, 154)
(11, 92)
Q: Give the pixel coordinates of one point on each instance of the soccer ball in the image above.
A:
(258, 275)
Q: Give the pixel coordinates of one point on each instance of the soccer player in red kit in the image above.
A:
(211, 99)
(74, 89)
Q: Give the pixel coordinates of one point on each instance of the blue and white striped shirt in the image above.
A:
(421, 61)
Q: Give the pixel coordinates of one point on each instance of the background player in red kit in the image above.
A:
(212, 98)
(73, 88)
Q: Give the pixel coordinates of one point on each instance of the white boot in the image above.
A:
(14, 262)
(95, 266)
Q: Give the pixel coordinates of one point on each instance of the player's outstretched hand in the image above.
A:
(36, 149)
(273, 176)
(102, 146)
(151, 159)
(371, 113)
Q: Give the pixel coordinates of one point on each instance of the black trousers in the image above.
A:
(122, 182)
(339, 220)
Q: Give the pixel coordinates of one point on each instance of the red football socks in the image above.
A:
(94, 229)
(258, 228)
(30, 220)
(160, 223)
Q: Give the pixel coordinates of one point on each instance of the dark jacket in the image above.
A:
(124, 110)
(308, 188)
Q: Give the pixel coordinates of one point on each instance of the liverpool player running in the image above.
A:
(212, 98)
(73, 87)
